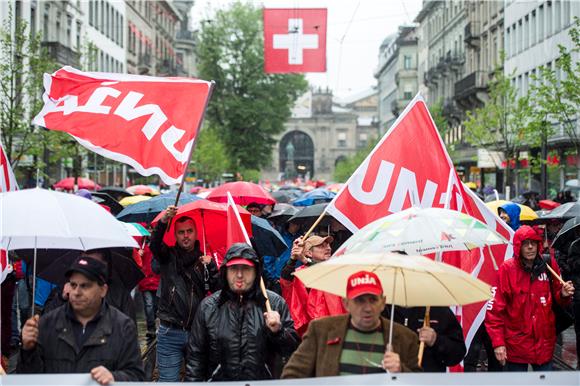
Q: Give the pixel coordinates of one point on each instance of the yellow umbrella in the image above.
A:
(133, 200)
(408, 280)
(527, 213)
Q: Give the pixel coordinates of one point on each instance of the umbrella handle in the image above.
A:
(426, 323)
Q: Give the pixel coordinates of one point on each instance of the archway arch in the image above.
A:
(296, 155)
(338, 159)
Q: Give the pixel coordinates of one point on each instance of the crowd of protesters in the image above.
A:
(213, 323)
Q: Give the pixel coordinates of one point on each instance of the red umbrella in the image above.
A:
(243, 193)
(211, 221)
(142, 190)
(83, 183)
(548, 204)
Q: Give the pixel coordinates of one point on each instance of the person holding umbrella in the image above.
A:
(356, 343)
(187, 276)
(85, 336)
(520, 320)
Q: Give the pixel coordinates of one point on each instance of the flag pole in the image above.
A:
(211, 87)
(314, 225)
(262, 285)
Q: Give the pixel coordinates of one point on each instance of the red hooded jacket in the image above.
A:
(520, 315)
(151, 280)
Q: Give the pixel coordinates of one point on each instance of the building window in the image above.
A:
(363, 140)
(407, 62)
(548, 18)
(541, 23)
(91, 12)
(341, 139)
(79, 32)
(69, 31)
(408, 95)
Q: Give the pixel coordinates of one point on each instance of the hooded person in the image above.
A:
(520, 320)
(510, 213)
(233, 336)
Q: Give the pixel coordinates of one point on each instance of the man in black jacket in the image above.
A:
(85, 335)
(186, 278)
(233, 337)
(444, 343)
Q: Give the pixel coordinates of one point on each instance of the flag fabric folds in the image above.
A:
(7, 179)
(147, 122)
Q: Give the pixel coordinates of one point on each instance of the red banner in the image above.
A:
(147, 122)
(7, 179)
(294, 40)
(410, 166)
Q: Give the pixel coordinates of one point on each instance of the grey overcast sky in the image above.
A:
(355, 31)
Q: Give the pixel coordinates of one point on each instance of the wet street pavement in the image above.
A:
(565, 353)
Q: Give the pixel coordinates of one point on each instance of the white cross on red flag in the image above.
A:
(410, 165)
(147, 122)
(294, 40)
(7, 179)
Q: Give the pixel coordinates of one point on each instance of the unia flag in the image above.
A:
(411, 165)
(147, 122)
(7, 179)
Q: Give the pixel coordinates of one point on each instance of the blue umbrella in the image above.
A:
(267, 240)
(146, 211)
(317, 196)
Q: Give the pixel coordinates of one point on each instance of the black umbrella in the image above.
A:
(51, 264)
(309, 214)
(285, 196)
(267, 240)
(282, 212)
(115, 191)
(564, 212)
(146, 211)
(107, 199)
(566, 235)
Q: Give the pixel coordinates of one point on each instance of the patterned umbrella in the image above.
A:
(422, 231)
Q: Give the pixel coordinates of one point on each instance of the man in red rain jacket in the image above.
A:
(519, 318)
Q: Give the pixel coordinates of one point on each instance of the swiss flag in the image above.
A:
(147, 122)
(410, 166)
(294, 40)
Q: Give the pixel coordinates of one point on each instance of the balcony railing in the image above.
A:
(62, 54)
(473, 82)
(471, 33)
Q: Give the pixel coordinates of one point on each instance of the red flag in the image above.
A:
(147, 122)
(7, 179)
(410, 165)
(294, 40)
(236, 231)
(5, 266)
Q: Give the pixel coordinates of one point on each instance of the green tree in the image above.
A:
(436, 110)
(557, 91)
(23, 62)
(248, 107)
(503, 123)
(209, 157)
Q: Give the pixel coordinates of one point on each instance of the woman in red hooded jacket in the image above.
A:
(519, 319)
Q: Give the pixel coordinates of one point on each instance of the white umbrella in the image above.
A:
(39, 218)
(422, 231)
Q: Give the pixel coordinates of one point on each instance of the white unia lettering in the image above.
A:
(362, 280)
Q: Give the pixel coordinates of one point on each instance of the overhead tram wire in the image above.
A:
(340, 46)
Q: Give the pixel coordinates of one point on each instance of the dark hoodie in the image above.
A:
(513, 210)
(229, 339)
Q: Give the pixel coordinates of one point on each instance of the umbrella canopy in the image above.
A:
(242, 192)
(285, 196)
(143, 189)
(334, 187)
(526, 214)
(147, 210)
(211, 221)
(53, 263)
(39, 218)
(131, 200)
(316, 196)
(282, 212)
(575, 183)
(564, 212)
(417, 280)
(108, 200)
(115, 191)
(548, 204)
(309, 213)
(83, 183)
(135, 230)
(267, 240)
(422, 231)
(566, 234)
